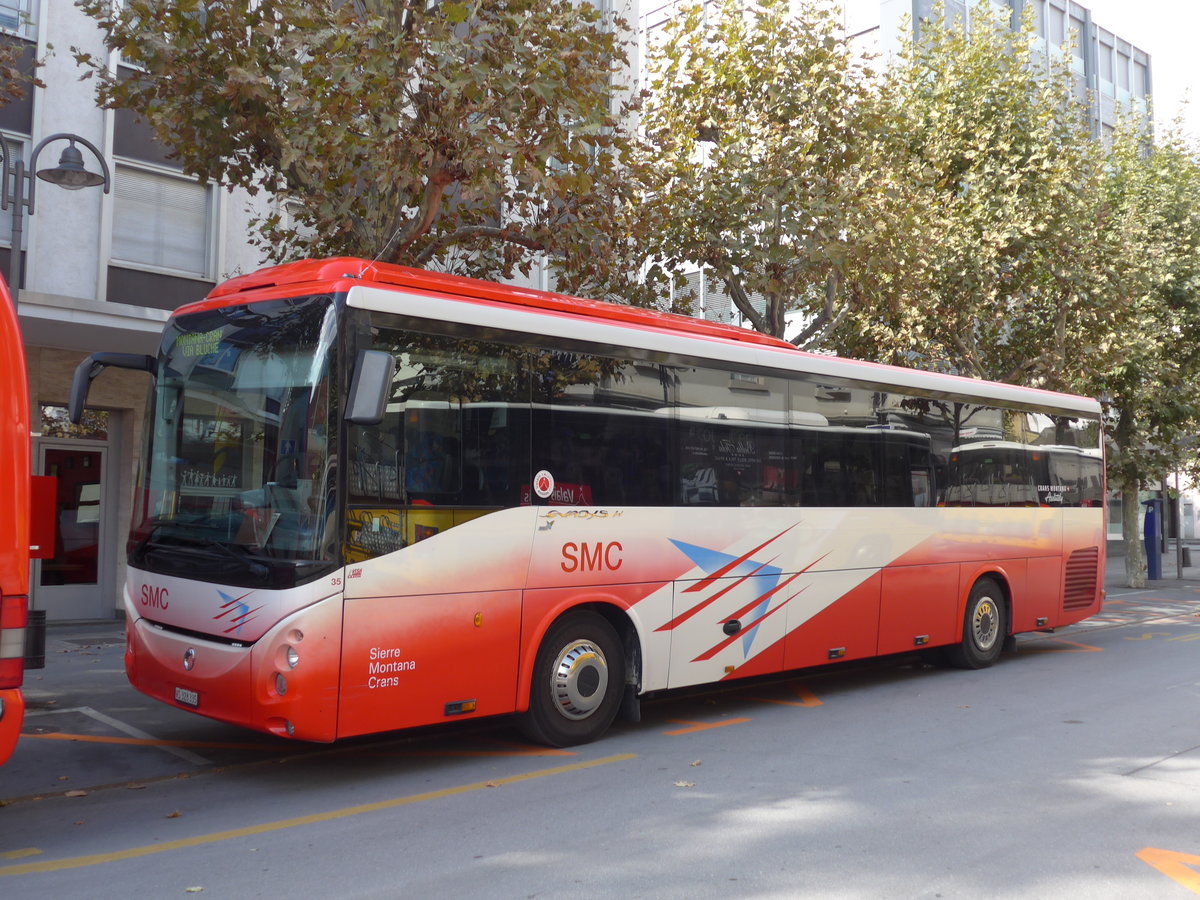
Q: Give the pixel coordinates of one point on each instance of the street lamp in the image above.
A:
(70, 173)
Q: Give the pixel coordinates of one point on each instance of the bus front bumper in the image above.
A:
(285, 683)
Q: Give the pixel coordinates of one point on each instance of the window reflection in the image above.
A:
(470, 423)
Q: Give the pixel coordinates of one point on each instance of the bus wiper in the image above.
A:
(197, 546)
(238, 552)
(151, 533)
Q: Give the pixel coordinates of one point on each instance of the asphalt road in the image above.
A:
(1070, 769)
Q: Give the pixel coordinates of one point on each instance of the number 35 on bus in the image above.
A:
(375, 498)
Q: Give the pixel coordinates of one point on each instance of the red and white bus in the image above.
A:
(14, 523)
(375, 498)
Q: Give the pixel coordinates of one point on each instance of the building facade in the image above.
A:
(1110, 73)
(100, 271)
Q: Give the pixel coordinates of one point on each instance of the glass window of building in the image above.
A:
(162, 221)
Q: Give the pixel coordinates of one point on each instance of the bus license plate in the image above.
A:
(186, 697)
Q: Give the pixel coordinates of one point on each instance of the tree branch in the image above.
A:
(431, 199)
(459, 235)
(815, 334)
(825, 320)
(737, 293)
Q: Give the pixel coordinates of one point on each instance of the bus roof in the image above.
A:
(352, 270)
(415, 292)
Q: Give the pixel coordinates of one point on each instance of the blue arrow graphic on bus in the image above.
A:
(235, 605)
(763, 576)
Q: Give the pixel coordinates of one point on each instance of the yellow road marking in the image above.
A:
(1148, 636)
(807, 698)
(79, 862)
(700, 726)
(1072, 647)
(20, 854)
(1176, 866)
(424, 754)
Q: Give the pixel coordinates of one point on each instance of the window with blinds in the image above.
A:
(162, 221)
(14, 151)
(19, 17)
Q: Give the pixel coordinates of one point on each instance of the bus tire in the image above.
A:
(578, 681)
(985, 625)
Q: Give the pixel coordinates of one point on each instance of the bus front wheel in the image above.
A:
(984, 627)
(578, 680)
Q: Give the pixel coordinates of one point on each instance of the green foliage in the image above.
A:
(1149, 367)
(956, 212)
(759, 121)
(465, 136)
(999, 158)
(1153, 205)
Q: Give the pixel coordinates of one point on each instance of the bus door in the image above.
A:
(437, 543)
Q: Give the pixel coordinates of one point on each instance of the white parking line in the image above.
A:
(184, 754)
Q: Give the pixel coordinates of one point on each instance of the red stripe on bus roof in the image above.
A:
(342, 273)
(339, 274)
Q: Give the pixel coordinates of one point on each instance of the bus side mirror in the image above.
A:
(370, 387)
(93, 366)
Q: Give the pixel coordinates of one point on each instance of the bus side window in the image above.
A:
(862, 470)
(373, 470)
(1091, 481)
(921, 487)
(899, 463)
(828, 481)
(431, 463)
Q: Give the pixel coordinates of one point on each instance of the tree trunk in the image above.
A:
(1135, 551)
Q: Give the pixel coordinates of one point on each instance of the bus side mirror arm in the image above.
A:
(93, 366)
(370, 387)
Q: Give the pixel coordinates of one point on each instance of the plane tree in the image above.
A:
(1001, 160)
(466, 136)
(1058, 260)
(761, 124)
(1149, 370)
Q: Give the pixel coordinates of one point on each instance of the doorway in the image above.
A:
(74, 583)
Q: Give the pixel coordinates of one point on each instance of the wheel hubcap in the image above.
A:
(985, 624)
(579, 680)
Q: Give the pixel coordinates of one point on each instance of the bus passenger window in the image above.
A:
(431, 464)
(921, 495)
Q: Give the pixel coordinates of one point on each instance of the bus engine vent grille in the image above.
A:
(1079, 587)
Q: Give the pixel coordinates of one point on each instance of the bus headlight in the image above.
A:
(280, 684)
(286, 657)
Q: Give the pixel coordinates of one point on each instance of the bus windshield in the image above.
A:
(238, 481)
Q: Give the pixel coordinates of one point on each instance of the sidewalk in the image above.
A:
(1114, 576)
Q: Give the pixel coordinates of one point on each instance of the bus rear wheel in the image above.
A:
(985, 625)
(578, 679)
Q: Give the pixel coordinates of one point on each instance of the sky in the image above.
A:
(1169, 30)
